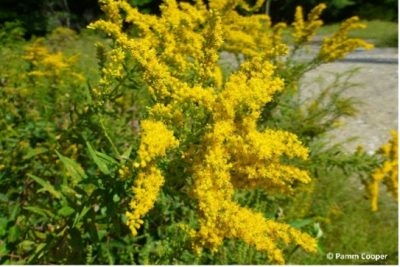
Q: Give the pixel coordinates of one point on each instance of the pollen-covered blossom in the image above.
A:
(340, 44)
(388, 173)
(305, 30)
(214, 120)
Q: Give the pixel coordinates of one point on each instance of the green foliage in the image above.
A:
(11, 32)
(337, 10)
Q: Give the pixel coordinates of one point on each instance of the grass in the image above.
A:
(380, 33)
(350, 226)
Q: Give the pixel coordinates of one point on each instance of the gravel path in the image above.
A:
(378, 91)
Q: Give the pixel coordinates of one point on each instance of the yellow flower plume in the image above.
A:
(214, 120)
(388, 173)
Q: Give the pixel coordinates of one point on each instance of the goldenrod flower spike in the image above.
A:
(156, 139)
(305, 30)
(340, 44)
(388, 173)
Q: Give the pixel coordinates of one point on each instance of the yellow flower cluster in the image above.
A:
(113, 68)
(178, 54)
(305, 30)
(146, 188)
(234, 154)
(47, 64)
(388, 173)
(156, 139)
(111, 65)
(249, 35)
(340, 44)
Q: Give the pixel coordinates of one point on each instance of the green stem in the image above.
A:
(108, 136)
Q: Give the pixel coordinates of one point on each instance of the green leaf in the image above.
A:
(38, 252)
(42, 212)
(46, 186)
(3, 197)
(100, 162)
(80, 216)
(140, 2)
(33, 152)
(40, 235)
(66, 211)
(320, 248)
(3, 250)
(106, 158)
(101, 234)
(318, 231)
(74, 170)
(301, 223)
(13, 234)
(88, 188)
(14, 212)
(68, 191)
(3, 226)
(126, 154)
(116, 198)
(26, 245)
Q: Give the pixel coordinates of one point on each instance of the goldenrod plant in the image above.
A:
(228, 152)
(132, 143)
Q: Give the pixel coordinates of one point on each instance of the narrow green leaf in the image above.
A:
(42, 212)
(33, 152)
(3, 226)
(301, 223)
(81, 215)
(65, 211)
(74, 170)
(100, 161)
(38, 252)
(13, 234)
(14, 212)
(46, 186)
(68, 190)
(127, 153)
(3, 250)
(106, 158)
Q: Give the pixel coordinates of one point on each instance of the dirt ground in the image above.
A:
(377, 77)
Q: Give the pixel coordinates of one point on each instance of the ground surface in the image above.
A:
(377, 90)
